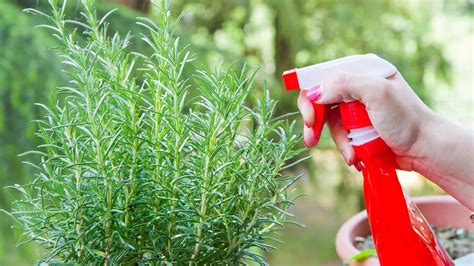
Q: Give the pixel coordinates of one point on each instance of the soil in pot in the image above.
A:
(457, 242)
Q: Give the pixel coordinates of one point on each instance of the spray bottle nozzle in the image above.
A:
(353, 114)
(367, 64)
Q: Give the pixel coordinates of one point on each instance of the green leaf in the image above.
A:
(363, 255)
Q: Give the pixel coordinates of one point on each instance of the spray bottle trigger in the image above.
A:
(320, 114)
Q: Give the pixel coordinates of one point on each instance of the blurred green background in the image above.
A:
(431, 43)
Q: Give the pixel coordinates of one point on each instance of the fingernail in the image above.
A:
(314, 93)
(310, 143)
(309, 137)
(346, 157)
(306, 144)
(306, 123)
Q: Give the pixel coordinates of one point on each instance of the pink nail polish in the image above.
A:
(305, 144)
(346, 158)
(306, 123)
(314, 93)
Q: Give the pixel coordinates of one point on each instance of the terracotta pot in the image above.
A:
(440, 211)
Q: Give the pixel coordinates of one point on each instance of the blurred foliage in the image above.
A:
(28, 71)
(272, 35)
(279, 35)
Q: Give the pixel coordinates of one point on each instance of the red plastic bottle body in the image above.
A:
(401, 234)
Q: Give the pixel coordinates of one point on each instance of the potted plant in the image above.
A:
(440, 211)
(135, 171)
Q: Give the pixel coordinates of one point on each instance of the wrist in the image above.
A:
(430, 144)
(441, 145)
(445, 158)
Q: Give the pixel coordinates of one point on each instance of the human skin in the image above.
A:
(422, 140)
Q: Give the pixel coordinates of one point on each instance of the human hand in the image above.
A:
(395, 110)
(421, 140)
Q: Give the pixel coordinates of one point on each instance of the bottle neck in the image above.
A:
(360, 136)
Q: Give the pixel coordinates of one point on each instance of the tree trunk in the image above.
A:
(140, 5)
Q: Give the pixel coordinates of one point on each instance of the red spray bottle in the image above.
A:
(395, 222)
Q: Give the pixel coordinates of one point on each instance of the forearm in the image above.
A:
(446, 158)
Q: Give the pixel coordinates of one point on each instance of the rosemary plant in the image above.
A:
(134, 171)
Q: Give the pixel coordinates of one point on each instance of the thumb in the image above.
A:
(347, 87)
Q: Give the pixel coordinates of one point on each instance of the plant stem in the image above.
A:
(202, 211)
